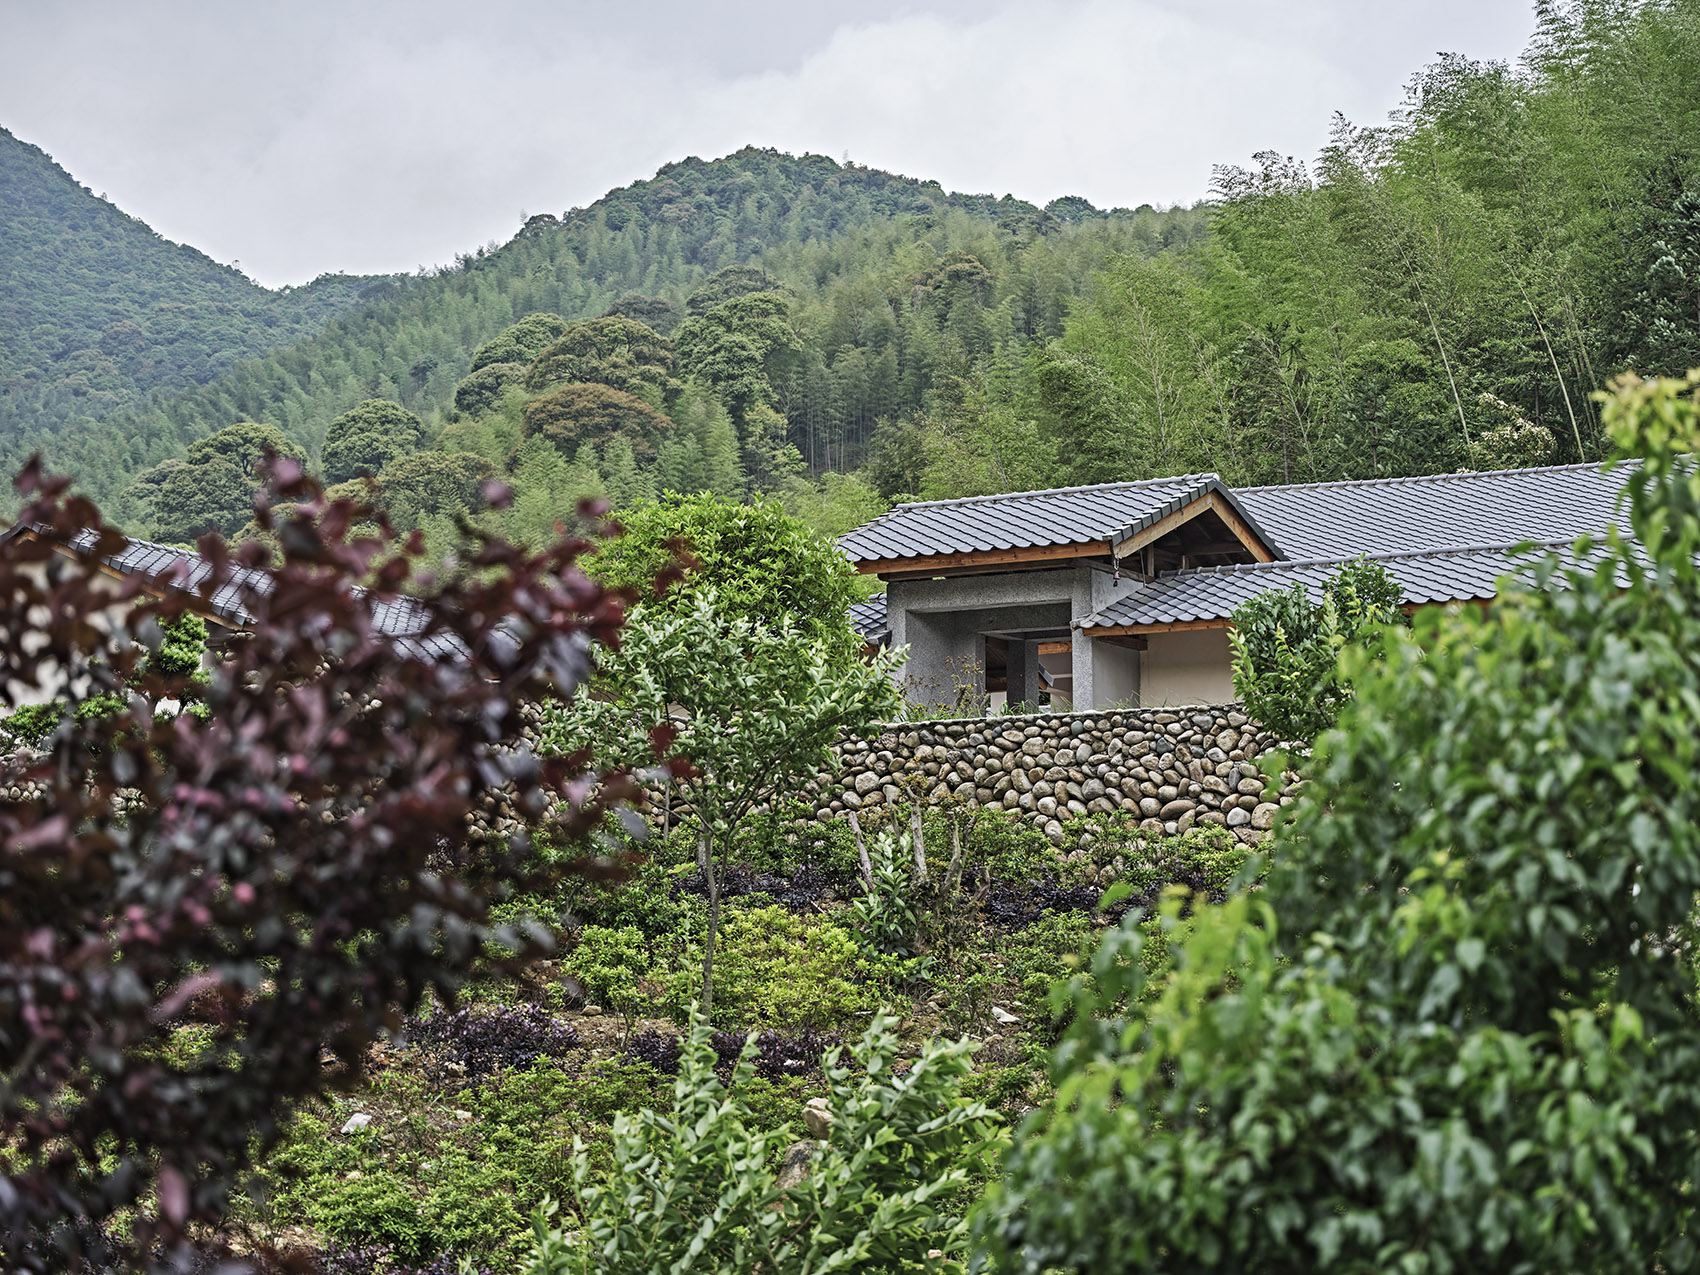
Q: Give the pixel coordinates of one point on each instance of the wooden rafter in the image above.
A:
(979, 560)
(1140, 630)
(1209, 502)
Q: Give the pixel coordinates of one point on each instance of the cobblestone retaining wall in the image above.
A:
(1170, 768)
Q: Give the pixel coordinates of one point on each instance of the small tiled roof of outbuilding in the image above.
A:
(1468, 573)
(1063, 516)
(1404, 515)
(144, 558)
(868, 619)
(399, 618)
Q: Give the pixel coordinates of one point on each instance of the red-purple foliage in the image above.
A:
(294, 869)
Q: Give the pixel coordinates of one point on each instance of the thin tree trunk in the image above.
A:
(705, 861)
(861, 850)
(920, 843)
(953, 874)
(959, 838)
(1563, 389)
(1445, 362)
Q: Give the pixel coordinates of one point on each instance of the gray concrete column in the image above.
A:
(1104, 673)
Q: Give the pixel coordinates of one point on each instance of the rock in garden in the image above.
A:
(799, 1158)
(358, 1121)
(817, 1117)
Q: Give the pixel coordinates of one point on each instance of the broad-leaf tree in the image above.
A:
(739, 347)
(1457, 1028)
(1287, 648)
(364, 439)
(761, 563)
(290, 870)
(577, 414)
(747, 710)
(483, 389)
(520, 342)
(613, 351)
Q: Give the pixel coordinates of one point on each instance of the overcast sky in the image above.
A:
(303, 136)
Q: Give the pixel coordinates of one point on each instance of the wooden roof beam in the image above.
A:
(1142, 630)
(1209, 502)
(982, 560)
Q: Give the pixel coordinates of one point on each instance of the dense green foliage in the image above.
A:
(1435, 294)
(759, 561)
(693, 1189)
(213, 488)
(99, 312)
(614, 351)
(889, 286)
(364, 439)
(1458, 1028)
(1287, 648)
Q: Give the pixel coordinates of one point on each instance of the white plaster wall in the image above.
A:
(1190, 667)
(50, 681)
(1116, 674)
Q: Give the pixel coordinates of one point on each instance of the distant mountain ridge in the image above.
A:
(821, 229)
(97, 310)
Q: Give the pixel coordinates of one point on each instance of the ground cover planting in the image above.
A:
(1442, 1017)
(487, 1101)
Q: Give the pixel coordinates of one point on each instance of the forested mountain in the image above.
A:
(1439, 293)
(885, 283)
(1442, 292)
(96, 309)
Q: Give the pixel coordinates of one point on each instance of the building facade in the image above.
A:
(1122, 593)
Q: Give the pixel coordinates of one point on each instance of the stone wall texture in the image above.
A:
(1168, 768)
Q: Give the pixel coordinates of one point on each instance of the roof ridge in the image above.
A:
(1454, 475)
(1049, 491)
(1438, 552)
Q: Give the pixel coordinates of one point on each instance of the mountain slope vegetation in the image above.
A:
(99, 310)
(1442, 292)
(887, 280)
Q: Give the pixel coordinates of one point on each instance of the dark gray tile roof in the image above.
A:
(868, 618)
(1403, 515)
(1212, 593)
(189, 570)
(1064, 516)
(399, 618)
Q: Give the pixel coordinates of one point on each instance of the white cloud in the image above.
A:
(1123, 103)
(324, 136)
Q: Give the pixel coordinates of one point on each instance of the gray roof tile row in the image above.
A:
(1300, 521)
(1404, 515)
(400, 618)
(1470, 573)
(1445, 537)
(1064, 516)
(868, 618)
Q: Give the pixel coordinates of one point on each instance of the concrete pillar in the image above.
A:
(1104, 673)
